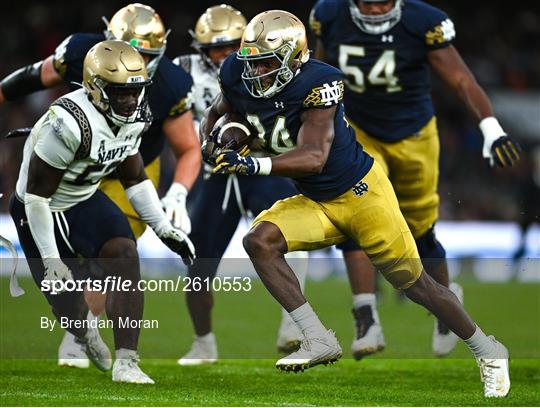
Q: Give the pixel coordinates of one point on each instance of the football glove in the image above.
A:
(210, 151)
(174, 205)
(178, 242)
(499, 148)
(56, 270)
(240, 162)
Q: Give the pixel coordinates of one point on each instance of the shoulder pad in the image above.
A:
(81, 119)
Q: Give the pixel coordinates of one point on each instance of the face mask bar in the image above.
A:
(141, 113)
(255, 83)
(375, 24)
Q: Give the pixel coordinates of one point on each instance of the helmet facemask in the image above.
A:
(257, 85)
(375, 24)
(122, 104)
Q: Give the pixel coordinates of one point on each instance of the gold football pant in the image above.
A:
(412, 165)
(115, 191)
(368, 213)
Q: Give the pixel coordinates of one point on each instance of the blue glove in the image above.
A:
(237, 162)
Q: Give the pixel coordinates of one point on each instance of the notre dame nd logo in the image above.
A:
(360, 188)
(326, 95)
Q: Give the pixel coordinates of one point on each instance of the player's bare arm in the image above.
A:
(185, 145)
(452, 69)
(219, 107)
(43, 179)
(313, 145)
(318, 51)
(498, 148)
(131, 171)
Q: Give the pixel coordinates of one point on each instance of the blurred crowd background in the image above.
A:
(500, 43)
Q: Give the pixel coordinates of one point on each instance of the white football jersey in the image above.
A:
(205, 82)
(74, 136)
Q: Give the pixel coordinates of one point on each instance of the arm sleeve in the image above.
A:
(41, 224)
(144, 199)
(56, 144)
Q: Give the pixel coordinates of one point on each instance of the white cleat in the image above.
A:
(444, 343)
(369, 334)
(203, 351)
(127, 370)
(96, 349)
(370, 343)
(313, 351)
(289, 336)
(495, 374)
(71, 354)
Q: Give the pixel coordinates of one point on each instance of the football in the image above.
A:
(233, 131)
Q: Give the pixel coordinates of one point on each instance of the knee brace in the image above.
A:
(429, 247)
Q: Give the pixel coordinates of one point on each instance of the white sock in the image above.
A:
(308, 321)
(481, 345)
(298, 261)
(367, 299)
(207, 338)
(91, 317)
(125, 354)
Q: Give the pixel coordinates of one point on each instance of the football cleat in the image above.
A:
(289, 336)
(444, 340)
(369, 334)
(96, 349)
(313, 351)
(127, 370)
(203, 351)
(71, 354)
(494, 373)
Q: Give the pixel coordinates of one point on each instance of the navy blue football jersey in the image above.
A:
(277, 119)
(388, 89)
(169, 95)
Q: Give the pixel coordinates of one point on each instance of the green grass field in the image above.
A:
(405, 374)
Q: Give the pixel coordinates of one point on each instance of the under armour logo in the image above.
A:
(360, 188)
(279, 105)
(387, 38)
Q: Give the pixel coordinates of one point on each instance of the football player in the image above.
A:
(169, 100)
(385, 49)
(221, 201)
(296, 104)
(61, 215)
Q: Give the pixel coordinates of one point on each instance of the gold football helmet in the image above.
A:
(218, 26)
(140, 26)
(278, 34)
(114, 77)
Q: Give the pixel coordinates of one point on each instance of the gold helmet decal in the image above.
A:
(219, 25)
(278, 34)
(140, 26)
(112, 66)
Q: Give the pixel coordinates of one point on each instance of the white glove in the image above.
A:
(56, 270)
(499, 148)
(174, 205)
(177, 241)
